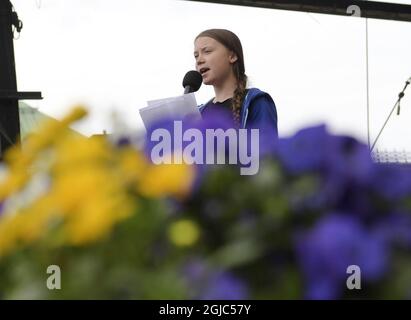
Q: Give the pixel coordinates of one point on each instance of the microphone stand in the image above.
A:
(400, 96)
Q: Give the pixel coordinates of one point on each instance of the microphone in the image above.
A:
(192, 81)
(408, 81)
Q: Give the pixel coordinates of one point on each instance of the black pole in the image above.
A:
(9, 110)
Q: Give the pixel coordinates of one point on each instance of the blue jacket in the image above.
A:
(257, 112)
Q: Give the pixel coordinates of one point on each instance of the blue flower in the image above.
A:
(342, 164)
(313, 149)
(392, 181)
(123, 141)
(224, 286)
(336, 242)
(349, 162)
(395, 229)
(305, 151)
(348, 174)
(166, 124)
(208, 284)
(219, 120)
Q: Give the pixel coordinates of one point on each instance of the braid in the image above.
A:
(239, 94)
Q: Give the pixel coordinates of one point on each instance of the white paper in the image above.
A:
(174, 107)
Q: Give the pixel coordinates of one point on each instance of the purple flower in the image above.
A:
(315, 150)
(123, 141)
(220, 120)
(305, 151)
(224, 286)
(217, 122)
(195, 270)
(166, 124)
(343, 166)
(208, 284)
(348, 158)
(392, 181)
(395, 229)
(336, 242)
(217, 118)
(348, 174)
(323, 288)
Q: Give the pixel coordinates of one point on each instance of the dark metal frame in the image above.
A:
(369, 9)
(9, 96)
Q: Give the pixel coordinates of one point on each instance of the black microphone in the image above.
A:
(192, 81)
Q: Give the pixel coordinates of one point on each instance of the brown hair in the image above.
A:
(232, 43)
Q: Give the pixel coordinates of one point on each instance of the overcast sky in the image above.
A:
(114, 55)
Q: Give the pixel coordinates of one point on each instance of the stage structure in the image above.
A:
(363, 9)
(9, 96)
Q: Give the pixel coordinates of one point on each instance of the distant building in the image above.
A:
(31, 119)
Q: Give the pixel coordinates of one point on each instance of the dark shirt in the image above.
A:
(223, 105)
(211, 107)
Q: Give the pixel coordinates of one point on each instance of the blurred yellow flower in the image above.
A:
(26, 225)
(50, 132)
(132, 164)
(95, 219)
(88, 186)
(77, 112)
(184, 233)
(167, 179)
(13, 182)
(77, 152)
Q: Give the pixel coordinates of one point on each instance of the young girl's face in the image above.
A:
(213, 60)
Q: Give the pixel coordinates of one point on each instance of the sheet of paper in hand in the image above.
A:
(176, 108)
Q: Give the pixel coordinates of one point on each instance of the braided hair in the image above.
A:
(232, 43)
